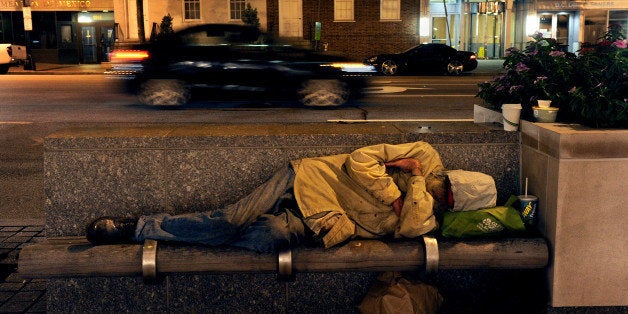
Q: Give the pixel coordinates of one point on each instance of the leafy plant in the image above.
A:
(165, 27)
(249, 16)
(600, 90)
(540, 71)
(591, 89)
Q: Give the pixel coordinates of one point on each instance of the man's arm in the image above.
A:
(409, 165)
(367, 166)
(416, 208)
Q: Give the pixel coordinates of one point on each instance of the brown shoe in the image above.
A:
(111, 230)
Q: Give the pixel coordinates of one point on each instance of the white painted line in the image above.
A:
(398, 120)
(16, 122)
(420, 96)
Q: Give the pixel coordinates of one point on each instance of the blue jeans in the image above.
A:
(260, 221)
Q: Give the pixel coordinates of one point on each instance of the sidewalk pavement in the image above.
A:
(18, 295)
(60, 69)
(485, 67)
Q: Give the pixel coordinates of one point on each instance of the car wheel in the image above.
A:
(164, 92)
(4, 69)
(389, 67)
(323, 93)
(454, 68)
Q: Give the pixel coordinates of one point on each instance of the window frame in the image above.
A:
(396, 16)
(197, 11)
(232, 11)
(341, 17)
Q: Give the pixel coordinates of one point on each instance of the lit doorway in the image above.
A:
(486, 29)
(444, 31)
(88, 36)
(290, 18)
(556, 25)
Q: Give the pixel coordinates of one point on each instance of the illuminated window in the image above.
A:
(192, 9)
(235, 8)
(390, 10)
(343, 10)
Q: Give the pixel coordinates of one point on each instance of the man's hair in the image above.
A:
(435, 184)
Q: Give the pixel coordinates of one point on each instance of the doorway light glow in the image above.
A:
(84, 18)
(424, 24)
(532, 24)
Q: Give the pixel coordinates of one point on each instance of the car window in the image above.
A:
(444, 49)
(423, 50)
(202, 39)
(214, 38)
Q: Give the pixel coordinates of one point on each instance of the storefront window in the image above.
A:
(66, 34)
(594, 25)
(557, 26)
(545, 25)
(440, 34)
(562, 29)
(619, 18)
(487, 30)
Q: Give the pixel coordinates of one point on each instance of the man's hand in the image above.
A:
(397, 205)
(407, 165)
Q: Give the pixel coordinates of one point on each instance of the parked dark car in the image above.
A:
(425, 58)
(217, 59)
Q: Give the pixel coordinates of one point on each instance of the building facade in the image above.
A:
(84, 31)
(489, 27)
(69, 31)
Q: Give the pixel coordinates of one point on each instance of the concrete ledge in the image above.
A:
(193, 167)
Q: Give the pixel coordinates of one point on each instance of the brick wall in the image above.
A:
(365, 36)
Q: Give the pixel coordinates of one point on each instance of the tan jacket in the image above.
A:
(352, 193)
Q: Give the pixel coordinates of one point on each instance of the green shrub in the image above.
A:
(591, 89)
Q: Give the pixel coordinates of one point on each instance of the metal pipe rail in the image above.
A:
(75, 257)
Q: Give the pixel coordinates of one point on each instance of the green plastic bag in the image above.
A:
(500, 220)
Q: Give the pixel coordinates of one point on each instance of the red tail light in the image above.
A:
(123, 56)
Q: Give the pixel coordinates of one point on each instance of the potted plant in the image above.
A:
(589, 89)
(600, 86)
(539, 72)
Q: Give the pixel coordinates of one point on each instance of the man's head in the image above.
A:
(460, 190)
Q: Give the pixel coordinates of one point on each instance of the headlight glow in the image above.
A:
(352, 67)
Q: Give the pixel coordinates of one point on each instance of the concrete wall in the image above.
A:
(579, 175)
(125, 12)
(95, 172)
(367, 35)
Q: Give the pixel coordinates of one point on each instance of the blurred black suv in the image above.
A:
(227, 58)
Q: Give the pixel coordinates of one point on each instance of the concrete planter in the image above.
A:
(485, 115)
(579, 175)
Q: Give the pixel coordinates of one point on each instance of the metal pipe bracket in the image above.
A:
(149, 260)
(431, 254)
(284, 266)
